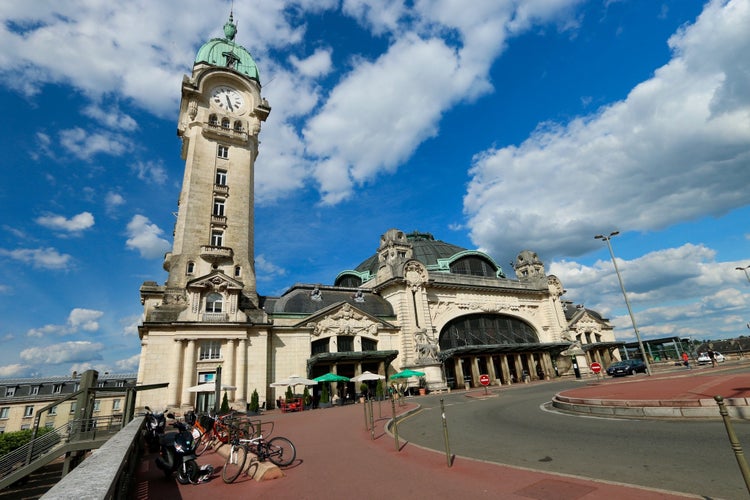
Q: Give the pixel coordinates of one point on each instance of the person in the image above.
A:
(686, 360)
(712, 356)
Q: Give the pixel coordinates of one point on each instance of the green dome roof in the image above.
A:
(226, 53)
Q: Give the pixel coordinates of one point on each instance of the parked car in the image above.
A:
(704, 359)
(626, 367)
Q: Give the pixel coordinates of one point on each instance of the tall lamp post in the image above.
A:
(745, 270)
(627, 302)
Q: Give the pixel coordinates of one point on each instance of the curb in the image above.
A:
(666, 409)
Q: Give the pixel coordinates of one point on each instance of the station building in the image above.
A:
(418, 302)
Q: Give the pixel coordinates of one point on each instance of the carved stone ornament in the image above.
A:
(345, 321)
(415, 275)
(426, 347)
(192, 109)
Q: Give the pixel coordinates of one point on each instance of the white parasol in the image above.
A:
(367, 376)
(294, 380)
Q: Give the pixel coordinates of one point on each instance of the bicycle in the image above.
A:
(279, 450)
(219, 429)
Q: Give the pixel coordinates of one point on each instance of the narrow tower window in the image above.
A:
(219, 207)
(222, 151)
(237, 271)
(190, 268)
(217, 238)
(221, 177)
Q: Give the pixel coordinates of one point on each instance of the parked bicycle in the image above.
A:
(279, 450)
(219, 429)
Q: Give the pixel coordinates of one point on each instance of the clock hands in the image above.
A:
(228, 102)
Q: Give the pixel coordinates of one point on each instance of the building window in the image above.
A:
(345, 343)
(120, 383)
(4, 412)
(217, 238)
(77, 387)
(222, 151)
(206, 377)
(210, 349)
(319, 346)
(219, 207)
(28, 411)
(238, 126)
(10, 392)
(212, 120)
(237, 271)
(101, 384)
(97, 405)
(57, 389)
(35, 390)
(190, 268)
(214, 302)
(221, 177)
(116, 405)
(53, 410)
(225, 122)
(73, 407)
(369, 344)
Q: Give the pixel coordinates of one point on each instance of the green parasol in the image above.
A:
(407, 374)
(331, 377)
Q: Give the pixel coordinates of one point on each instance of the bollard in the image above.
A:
(395, 423)
(445, 433)
(736, 446)
(365, 410)
(372, 423)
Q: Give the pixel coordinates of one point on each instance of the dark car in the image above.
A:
(626, 367)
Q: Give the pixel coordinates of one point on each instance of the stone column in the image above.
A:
(475, 371)
(241, 378)
(227, 374)
(504, 367)
(459, 372)
(188, 373)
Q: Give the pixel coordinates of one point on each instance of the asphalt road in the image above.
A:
(514, 428)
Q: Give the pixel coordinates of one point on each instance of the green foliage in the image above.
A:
(254, 403)
(306, 396)
(379, 389)
(324, 396)
(224, 405)
(9, 441)
(289, 394)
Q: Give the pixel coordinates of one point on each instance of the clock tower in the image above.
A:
(220, 115)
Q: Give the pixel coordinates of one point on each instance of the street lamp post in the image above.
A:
(627, 302)
(745, 270)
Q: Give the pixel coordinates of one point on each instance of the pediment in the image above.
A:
(216, 281)
(344, 319)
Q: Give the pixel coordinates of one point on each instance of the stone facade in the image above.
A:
(418, 303)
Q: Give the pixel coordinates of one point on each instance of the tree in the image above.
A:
(324, 397)
(224, 405)
(379, 390)
(254, 404)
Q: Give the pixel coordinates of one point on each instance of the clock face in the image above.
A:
(227, 98)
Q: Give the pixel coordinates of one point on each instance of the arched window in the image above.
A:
(225, 123)
(473, 266)
(238, 126)
(486, 329)
(212, 120)
(190, 267)
(237, 271)
(349, 281)
(214, 302)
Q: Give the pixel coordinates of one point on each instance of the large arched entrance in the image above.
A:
(502, 346)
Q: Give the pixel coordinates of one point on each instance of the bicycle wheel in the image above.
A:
(234, 464)
(204, 443)
(281, 451)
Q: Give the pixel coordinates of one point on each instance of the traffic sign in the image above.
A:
(596, 367)
(484, 380)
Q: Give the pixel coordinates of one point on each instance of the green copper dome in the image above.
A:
(226, 53)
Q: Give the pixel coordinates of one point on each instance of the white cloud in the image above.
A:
(129, 365)
(85, 145)
(268, 270)
(16, 370)
(111, 117)
(677, 148)
(39, 258)
(318, 64)
(151, 171)
(84, 319)
(112, 201)
(144, 237)
(65, 352)
(76, 224)
(130, 325)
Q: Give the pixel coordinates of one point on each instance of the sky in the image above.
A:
(509, 125)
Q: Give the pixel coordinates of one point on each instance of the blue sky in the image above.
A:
(506, 126)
